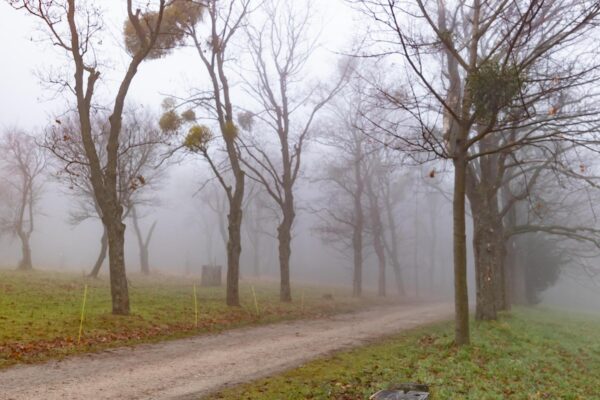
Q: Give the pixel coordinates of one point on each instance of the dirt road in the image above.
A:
(190, 368)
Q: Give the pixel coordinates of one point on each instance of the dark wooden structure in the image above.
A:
(211, 275)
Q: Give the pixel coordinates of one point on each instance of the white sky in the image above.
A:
(25, 101)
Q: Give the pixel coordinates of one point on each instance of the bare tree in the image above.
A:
(216, 199)
(258, 222)
(22, 163)
(280, 49)
(504, 48)
(390, 197)
(391, 186)
(73, 28)
(139, 170)
(224, 20)
(143, 240)
(376, 226)
(549, 201)
(343, 217)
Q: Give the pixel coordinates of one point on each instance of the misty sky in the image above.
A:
(29, 103)
(26, 102)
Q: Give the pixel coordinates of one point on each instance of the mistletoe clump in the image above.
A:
(198, 138)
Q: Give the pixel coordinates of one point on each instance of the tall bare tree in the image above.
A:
(22, 164)
(139, 170)
(280, 49)
(74, 28)
(376, 174)
(344, 216)
(496, 73)
(224, 21)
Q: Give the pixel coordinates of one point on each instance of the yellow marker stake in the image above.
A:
(255, 301)
(82, 314)
(196, 305)
(302, 301)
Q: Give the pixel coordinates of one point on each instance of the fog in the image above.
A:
(188, 232)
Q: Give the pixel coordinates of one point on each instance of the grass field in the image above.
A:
(40, 312)
(528, 354)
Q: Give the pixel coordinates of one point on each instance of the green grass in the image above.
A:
(528, 354)
(40, 311)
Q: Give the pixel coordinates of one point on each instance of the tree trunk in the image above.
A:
(510, 260)
(144, 263)
(378, 246)
(488, 239)
(25, 264)
(502, 296)
(516, 271)
(234, 248)
(433, 242)
(377, 233)
(416, 246)
(500, 281)
(485, 263)
(357, 245)
(461, 296)
(143, 243)
(118, 277)
(102, 256)
(393, 245)
(359, 224)
(284, 234)
(381, 263)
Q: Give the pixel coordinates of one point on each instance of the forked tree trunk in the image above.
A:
(143, 242)
(144, 261)
(102, 255)
(461, 296)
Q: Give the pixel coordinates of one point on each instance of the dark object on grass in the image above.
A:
(328, 296)
(404, 391)
(211, 275)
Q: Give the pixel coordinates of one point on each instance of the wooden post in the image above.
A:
(211, 275)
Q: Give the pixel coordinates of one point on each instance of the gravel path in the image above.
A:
(190, 368)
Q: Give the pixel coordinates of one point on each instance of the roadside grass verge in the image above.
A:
(527, 354)
(40, 311)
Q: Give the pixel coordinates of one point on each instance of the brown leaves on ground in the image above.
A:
(36, 350)
(40, 349)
